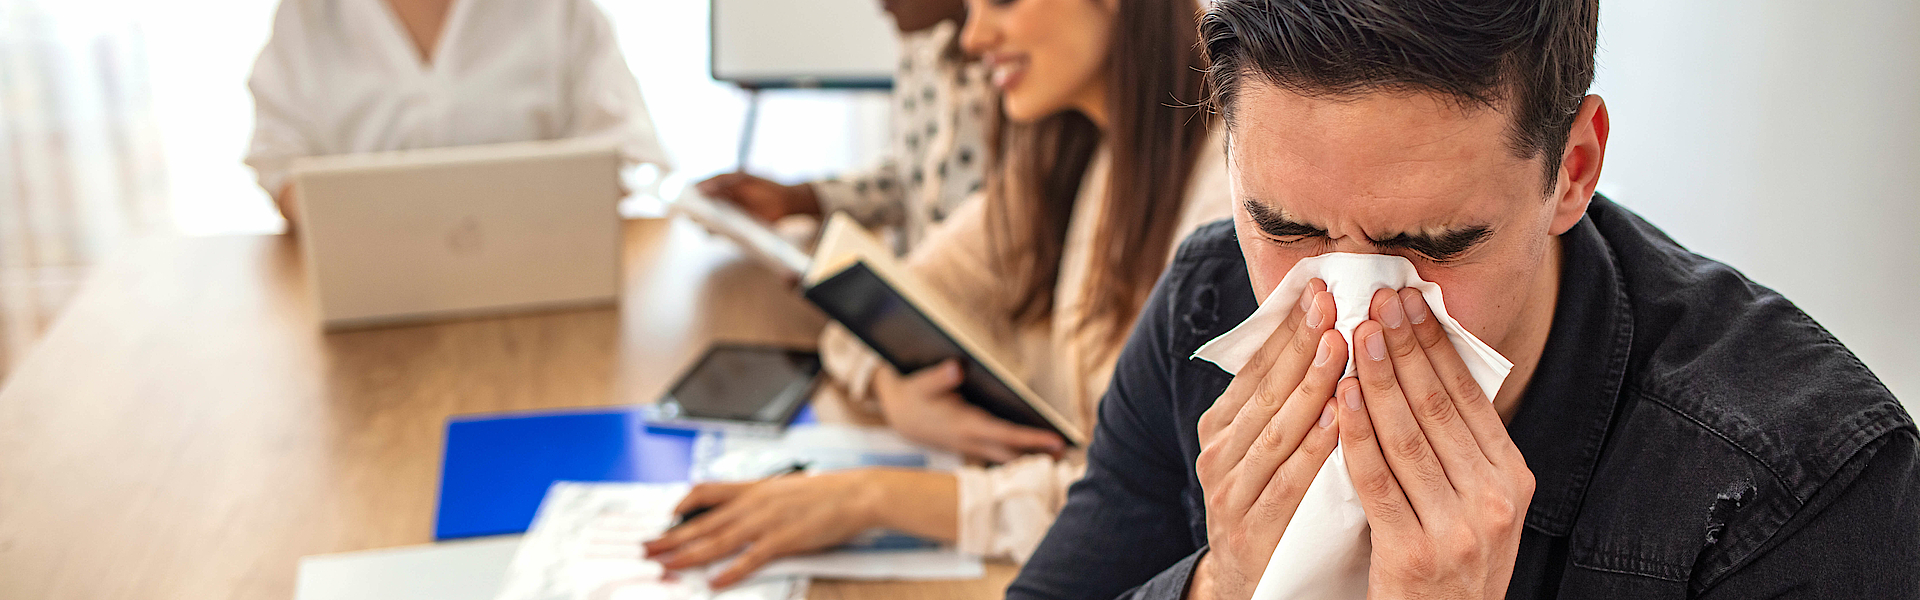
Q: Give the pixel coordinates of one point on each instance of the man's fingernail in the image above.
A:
(1320, 356)
(1326, 416)
(1417, 309)
(1391, 315)
(1313, 309)
(1352, 396)
(1376, 347)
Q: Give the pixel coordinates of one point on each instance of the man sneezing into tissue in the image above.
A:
(1425, 360)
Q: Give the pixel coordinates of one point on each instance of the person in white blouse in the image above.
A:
(348, 76)
(937, 149)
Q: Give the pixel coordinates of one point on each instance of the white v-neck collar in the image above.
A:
(402, 42)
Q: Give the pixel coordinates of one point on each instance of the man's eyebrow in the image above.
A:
(1442, 245)
(1276, 223)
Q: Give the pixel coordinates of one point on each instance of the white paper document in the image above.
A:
(458, 570)
(584, 544)
(755, 237)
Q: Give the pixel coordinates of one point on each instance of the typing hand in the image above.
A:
(925, 408)
(1444, 488)
(1262, 442)
(766, 200)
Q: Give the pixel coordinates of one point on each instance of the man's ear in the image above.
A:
(1580, 164)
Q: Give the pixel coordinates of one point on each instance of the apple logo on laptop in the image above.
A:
(465, 239)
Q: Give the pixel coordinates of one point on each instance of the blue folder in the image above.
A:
(497, 467)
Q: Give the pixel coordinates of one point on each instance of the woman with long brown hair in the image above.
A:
(1104, 161)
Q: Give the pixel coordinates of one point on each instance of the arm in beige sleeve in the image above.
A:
(1005, 510)
(850, 365)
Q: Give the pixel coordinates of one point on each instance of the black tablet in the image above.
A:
(741, 385)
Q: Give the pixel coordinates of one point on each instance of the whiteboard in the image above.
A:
(802, 43)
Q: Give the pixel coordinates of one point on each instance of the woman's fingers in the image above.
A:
(1224, 408)
(719, 544)
(1304, 406)
(1019, 438)
(704, 526)
(934, 380)
(1426, 396)
(987, 437)
(719, 184)
(990, 452)
(1469, 399)
(701, 496)
(708, 494)
(774, 544)
(1399, 435)
(1388, 510)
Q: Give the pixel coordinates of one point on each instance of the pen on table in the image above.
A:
(796, 467)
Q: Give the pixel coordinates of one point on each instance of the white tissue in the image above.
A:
(1324, 552)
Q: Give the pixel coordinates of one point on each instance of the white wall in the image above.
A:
(198, 60)
(1781, 137)
(800, 133)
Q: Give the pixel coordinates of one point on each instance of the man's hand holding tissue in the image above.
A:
(1445, 490)
(1262, 442)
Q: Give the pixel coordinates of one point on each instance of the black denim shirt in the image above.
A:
(1691, 434)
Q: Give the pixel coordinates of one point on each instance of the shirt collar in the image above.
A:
(1569, 404)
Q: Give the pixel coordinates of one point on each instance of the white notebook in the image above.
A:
(459, 570)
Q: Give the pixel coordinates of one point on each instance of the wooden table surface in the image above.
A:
(185, 430)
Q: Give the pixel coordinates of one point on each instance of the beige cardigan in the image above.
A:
(1006, 509)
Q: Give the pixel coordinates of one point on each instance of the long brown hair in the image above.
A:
(1156, 130)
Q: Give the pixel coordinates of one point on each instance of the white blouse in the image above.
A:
(343, 76)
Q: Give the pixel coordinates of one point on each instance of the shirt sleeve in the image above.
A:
(283, 127)
(606, 99)
(1006, 509)
(1124, 526)
(851, 365)
(1863, 543)
(876, 197)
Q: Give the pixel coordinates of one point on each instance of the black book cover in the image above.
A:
(903, 335)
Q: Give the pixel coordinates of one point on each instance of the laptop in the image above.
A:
(419, 235)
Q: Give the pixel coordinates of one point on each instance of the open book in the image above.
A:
(856, 280)
(759, 241)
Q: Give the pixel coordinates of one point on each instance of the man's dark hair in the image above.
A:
(1532, 58)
